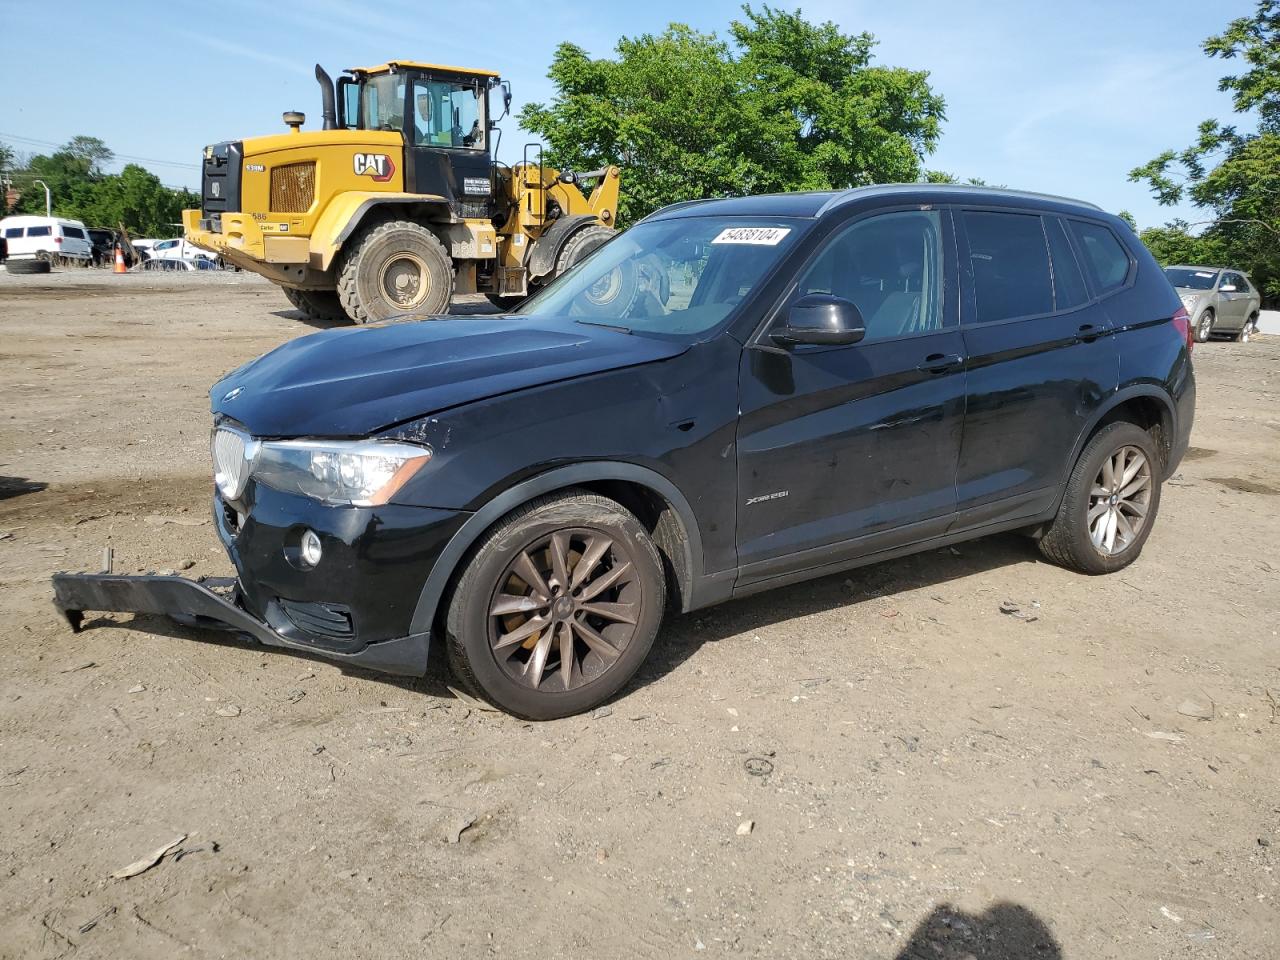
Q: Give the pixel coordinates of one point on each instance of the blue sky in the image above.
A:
(1064, 98)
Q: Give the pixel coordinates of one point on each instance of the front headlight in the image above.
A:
(1189, 300)
(362, 473)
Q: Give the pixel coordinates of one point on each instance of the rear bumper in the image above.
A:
(198, 604)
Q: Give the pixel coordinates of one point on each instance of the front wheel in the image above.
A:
(317, 306)
(1248, 330)
(557, 607)
(396, 269)
(1110, 502)
(1204, 327)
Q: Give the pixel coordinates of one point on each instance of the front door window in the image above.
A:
(448, 114)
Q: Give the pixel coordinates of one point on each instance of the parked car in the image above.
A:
(732, 396)
(1218, 300)
(180, 250)
(45, 238)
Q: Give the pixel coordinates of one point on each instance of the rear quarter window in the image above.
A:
(1105, 259)
(39, 231)
(74, 232)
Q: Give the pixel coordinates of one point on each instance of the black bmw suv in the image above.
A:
(731, 396)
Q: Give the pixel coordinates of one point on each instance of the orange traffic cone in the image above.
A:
(120, 267)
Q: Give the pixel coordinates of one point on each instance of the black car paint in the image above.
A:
(777, 464)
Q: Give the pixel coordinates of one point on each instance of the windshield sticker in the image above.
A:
(760, 236)
(1200, 273)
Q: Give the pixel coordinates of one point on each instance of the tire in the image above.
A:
(580, 246)
(528, 536)
(1248, 330)
(26, 267)
(318, 306)
(1068, 541)
(1204, 326)
(504, 303)
(395, 255)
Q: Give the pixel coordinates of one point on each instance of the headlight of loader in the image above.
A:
(362, 473)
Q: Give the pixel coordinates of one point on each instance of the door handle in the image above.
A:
(1088, 333)
(940, 363)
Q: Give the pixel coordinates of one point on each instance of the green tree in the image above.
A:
(1130, 219)
(7, 158)
(1174, 243)
(1234, 176)
(787, 105)
(81, 190)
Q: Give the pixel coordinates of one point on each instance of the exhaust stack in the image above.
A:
(328, 99)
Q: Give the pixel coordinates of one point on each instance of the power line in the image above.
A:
(31, 141)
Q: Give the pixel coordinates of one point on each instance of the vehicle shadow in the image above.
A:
(1004, 931)
(467, 306)
(19, 486)
(683, 635)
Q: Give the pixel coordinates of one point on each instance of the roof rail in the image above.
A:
(847, 196)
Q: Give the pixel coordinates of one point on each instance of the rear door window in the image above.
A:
(1105, 259)
(1010, 262)
(11, 232)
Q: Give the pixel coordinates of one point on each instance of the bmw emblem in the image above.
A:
(232, 394)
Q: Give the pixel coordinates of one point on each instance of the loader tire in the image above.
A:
(395, 270)
(21, 267)
(318, 306)
(580, 246)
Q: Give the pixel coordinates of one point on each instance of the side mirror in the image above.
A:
(820, 318)
(1227, 288)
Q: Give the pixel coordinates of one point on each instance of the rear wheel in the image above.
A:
(504, 303)
(1204, 326)
(1110, 503)
(1248, 330)
(395, 269)
(557, 608)
(320, 306)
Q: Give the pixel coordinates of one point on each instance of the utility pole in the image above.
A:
(48, 199)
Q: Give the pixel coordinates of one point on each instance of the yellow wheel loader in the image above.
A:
(398, 203)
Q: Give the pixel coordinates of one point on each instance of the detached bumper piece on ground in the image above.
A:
(213, 604)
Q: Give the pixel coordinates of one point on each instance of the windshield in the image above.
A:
(1191, 278)
(670, 277)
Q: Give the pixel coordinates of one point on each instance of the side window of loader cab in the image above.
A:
(890, 265)
(448, 115)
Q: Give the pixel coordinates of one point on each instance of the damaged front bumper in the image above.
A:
(215, 603)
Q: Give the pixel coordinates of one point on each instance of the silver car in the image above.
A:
(1218, 300)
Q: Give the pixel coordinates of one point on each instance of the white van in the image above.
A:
(46, 238)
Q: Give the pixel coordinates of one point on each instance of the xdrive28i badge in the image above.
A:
(376, 166)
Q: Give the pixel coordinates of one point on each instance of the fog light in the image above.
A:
(310, 547)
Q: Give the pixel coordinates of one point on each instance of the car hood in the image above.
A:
(354, 381)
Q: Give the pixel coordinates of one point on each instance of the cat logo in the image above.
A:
(377, 166)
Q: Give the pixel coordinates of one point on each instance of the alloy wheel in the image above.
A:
(1119, 500)
(1206, 327)
(565, 609)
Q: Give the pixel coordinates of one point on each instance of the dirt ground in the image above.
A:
(881, 764)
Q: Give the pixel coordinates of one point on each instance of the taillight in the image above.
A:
(57, 239)
(1182, 323)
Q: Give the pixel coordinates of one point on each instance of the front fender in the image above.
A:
(344, 214)
(558, 479)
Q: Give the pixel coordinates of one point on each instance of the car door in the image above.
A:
(844, 451)
(1234, 302)
(1042, 358)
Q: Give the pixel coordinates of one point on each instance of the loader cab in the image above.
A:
(443, 115)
